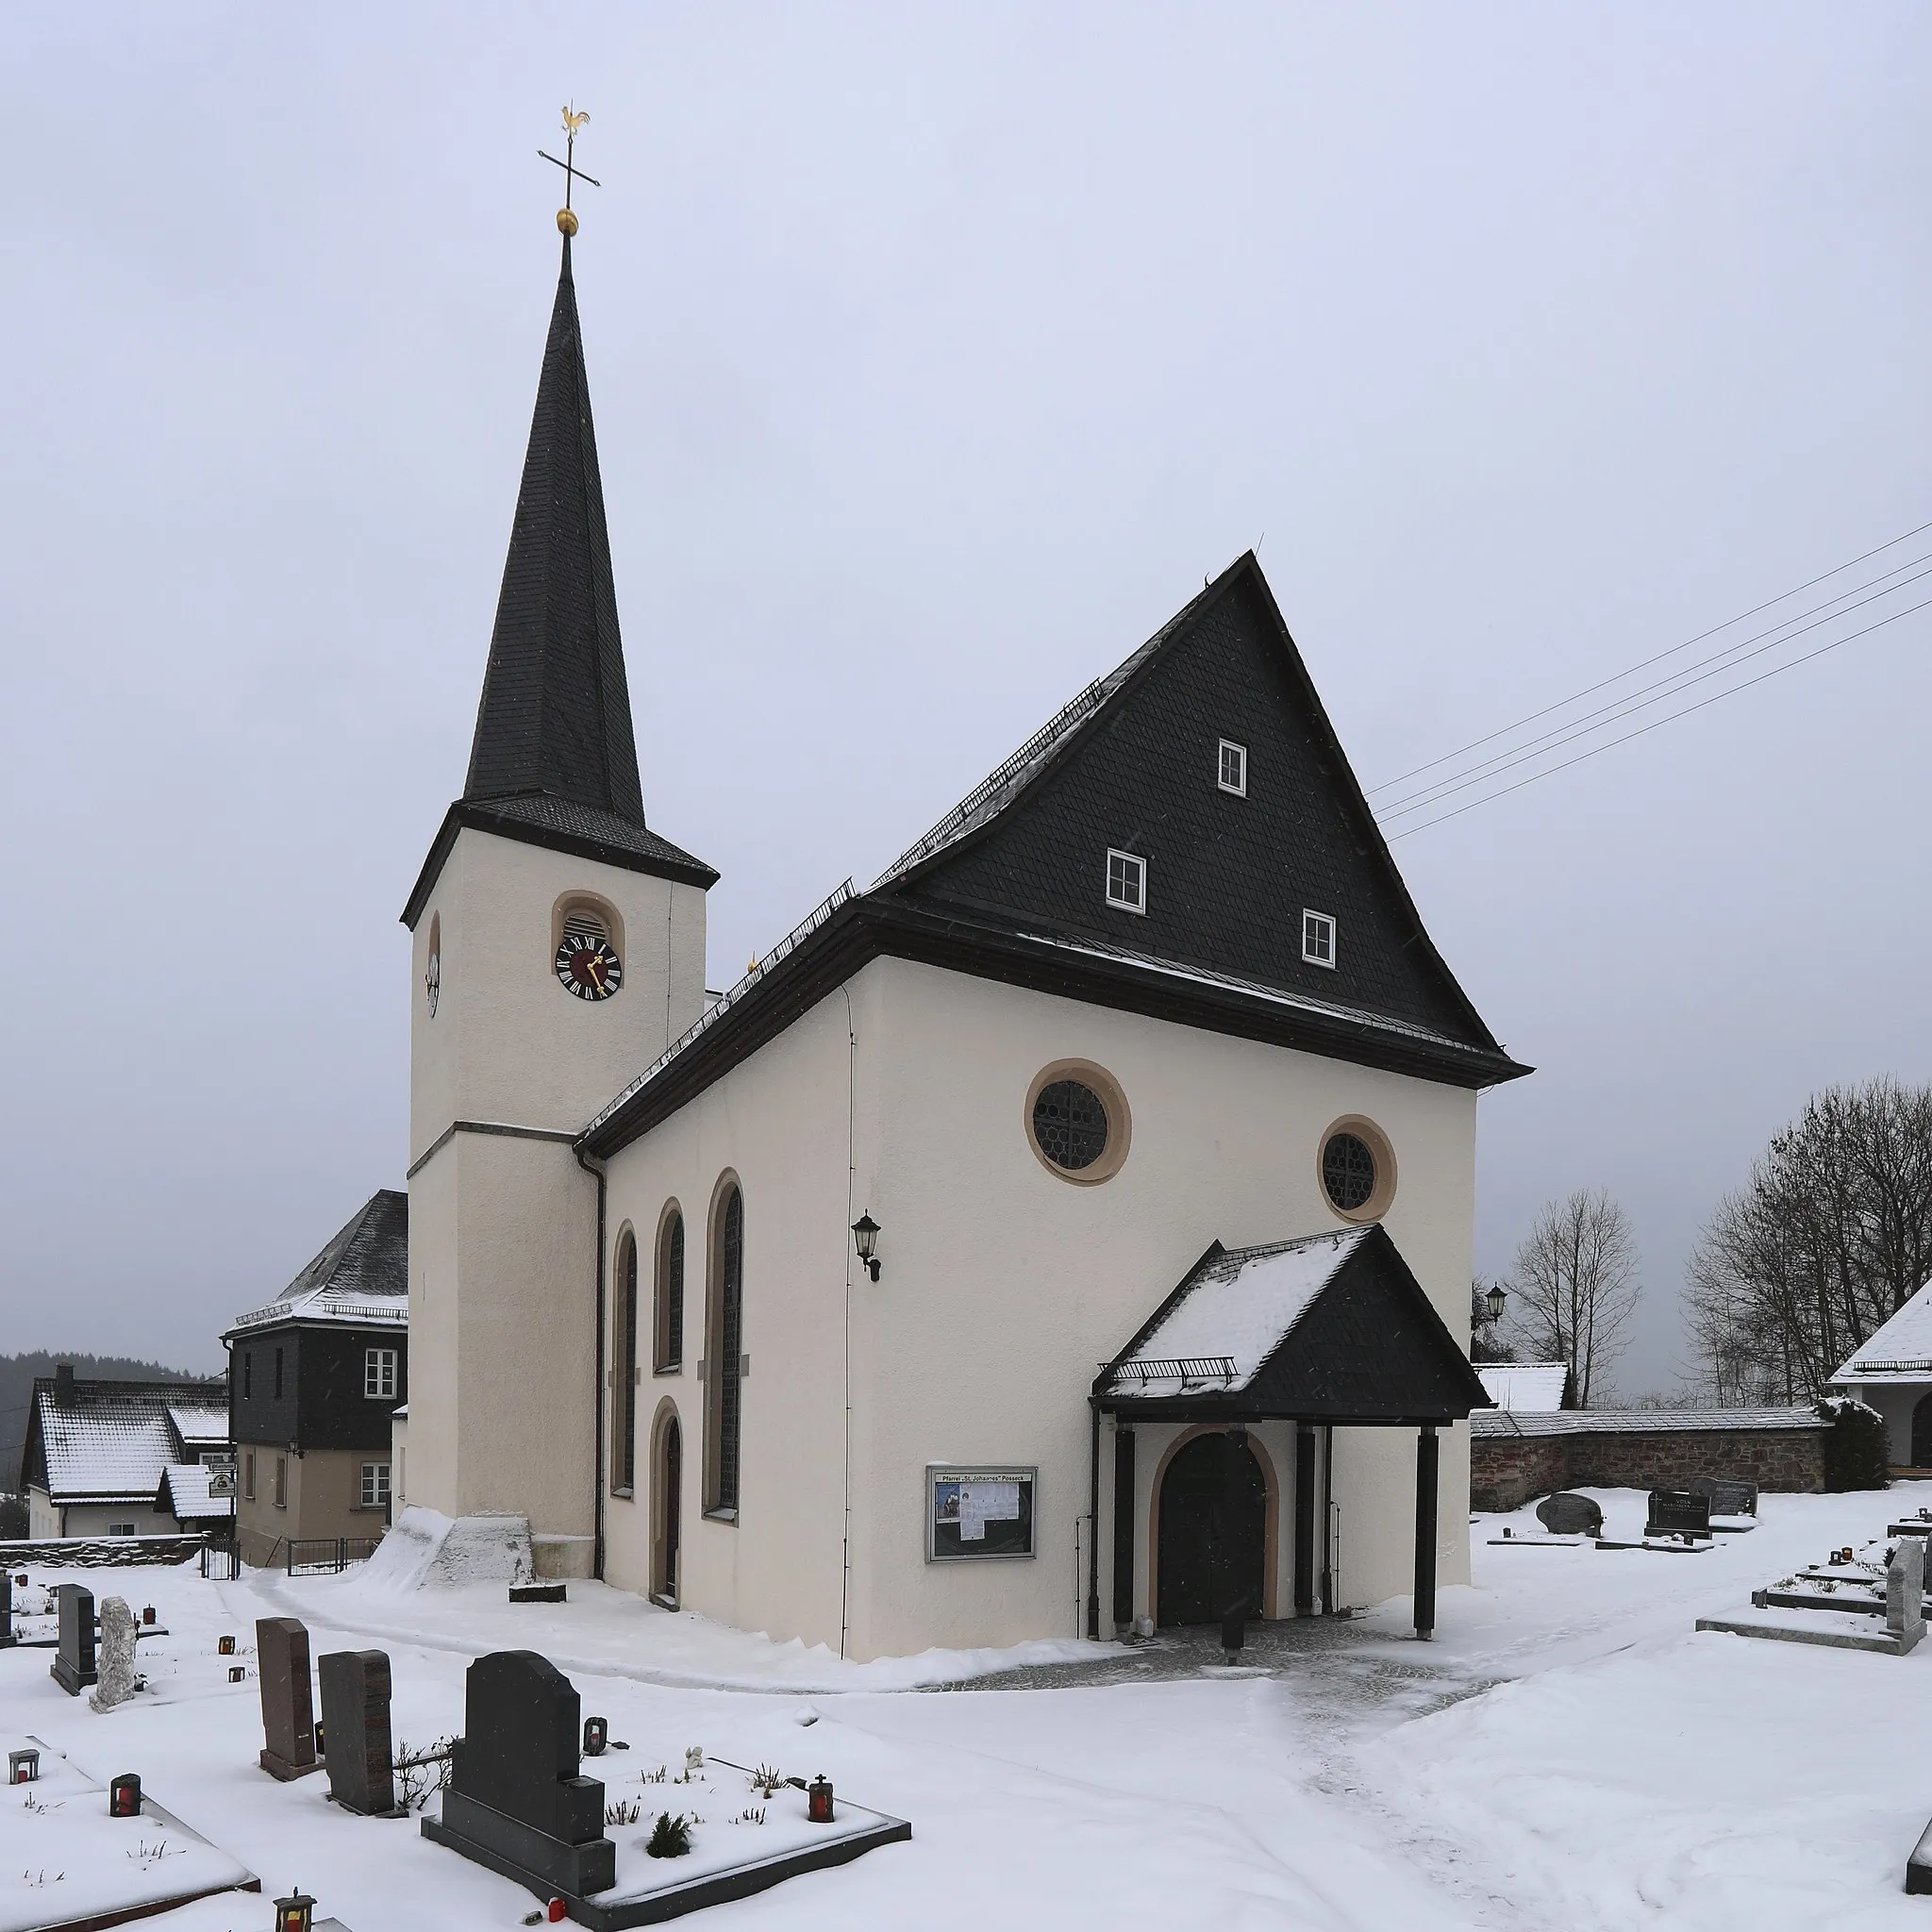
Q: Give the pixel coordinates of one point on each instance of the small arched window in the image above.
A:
(625, 1462)
(667, 1344)
(725, 1355)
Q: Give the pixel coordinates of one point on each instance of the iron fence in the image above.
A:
(222, 1563)
(327, 1555)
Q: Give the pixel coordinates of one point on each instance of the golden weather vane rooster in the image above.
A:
(574, 119)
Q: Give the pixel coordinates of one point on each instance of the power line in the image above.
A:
(1656, 724)
(1630, 671)
(1621, 708)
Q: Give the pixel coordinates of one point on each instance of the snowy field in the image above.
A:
(1569, 1753)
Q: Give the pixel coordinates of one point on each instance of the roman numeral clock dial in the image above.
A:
(587, 967)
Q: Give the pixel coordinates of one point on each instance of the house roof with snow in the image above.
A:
(1327, 1328)
(1617, 1421)
(361, 1277)
(1525, 1385)
(1901, 1351)
(186, 1491)
(110, 1441)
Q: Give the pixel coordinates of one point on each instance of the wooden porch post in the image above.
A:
(1306, 1528)
(1427, 1452)
(1124, 1523)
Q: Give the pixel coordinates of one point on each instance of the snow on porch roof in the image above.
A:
(1235, 1312)
(1901, 1351)
(1527, 1386)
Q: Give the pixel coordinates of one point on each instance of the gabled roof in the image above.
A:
(199, 1426)
(361, 1276)
(184, 1494)
(1327, 1328)
(1530, 1387)
(107, 1441)
(1901, 1351)
(554, 760)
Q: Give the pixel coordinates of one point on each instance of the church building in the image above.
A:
(1069, 1232)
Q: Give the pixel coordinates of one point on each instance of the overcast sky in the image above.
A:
(937, 355)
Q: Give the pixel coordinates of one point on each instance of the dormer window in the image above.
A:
(1234, 768)
(1126, 881)
(1318, 938)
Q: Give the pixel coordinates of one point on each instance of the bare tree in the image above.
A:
(1828, 1239)
(1576, 1287)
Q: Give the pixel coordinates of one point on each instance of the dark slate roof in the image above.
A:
(361, 1276)
(554, 761)
(110, 1441)
(1328, 1327)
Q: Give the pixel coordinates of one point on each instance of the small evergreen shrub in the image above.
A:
(670, 1837)
(1856, 1456)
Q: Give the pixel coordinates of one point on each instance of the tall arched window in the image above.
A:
(624, 1463)
(725, 1353)
(667, 1324)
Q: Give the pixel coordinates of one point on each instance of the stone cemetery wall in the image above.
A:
(1505, 1472)
(91, 1552)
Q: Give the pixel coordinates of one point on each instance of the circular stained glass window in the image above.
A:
(1070, 1125)
(1348, 1172)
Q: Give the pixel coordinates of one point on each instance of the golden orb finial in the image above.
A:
(566, 222)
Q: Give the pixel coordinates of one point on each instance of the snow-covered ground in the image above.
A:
(1569, 1753)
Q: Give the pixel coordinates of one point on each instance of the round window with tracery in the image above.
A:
(1348, 1172)
(1070, 1125)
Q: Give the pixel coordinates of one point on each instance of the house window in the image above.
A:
(281, 1482)
(724, 1354)
(1318, 939)
(375, 1486)
(667, 1346)
(379, 1374)
(248, 1476)
(247, 1374)
(1126, 881)
(1234, 768)
(624, 1464)
(120, 1529)
(278, 1374)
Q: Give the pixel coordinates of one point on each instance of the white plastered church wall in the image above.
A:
(502, 1228)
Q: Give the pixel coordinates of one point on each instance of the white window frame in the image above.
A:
(379, 1374)
(1328, 921)
(1132, 858)
(375, 1486)
(121, 1529)
(1241, 752)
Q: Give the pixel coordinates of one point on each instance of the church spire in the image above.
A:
(555, 717)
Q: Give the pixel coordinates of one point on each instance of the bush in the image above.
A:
(670, 1837)
(1856, 1455)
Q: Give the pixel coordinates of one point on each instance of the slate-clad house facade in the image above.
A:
(314, 1378)
(787, 1307)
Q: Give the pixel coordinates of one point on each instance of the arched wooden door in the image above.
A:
(1213, 1532)
(670, 1474)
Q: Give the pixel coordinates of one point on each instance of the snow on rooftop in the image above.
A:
(199, 1426)
(1617, 1421)
(114, 1439)
(1242, 1304)
(185, 1492)
(1900, 1351)
(1524, 1384)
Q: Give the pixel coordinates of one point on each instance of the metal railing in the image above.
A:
(327, 1556)
(1185, 1368)
(221, 1562)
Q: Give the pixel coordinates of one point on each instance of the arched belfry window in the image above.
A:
(725, 1353)
(667, 1324)
(623, 1462)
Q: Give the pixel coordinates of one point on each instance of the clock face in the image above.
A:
(432, 981)
(589, 968)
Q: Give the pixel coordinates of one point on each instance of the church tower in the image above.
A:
(558, 948)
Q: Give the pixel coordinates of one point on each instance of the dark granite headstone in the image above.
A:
(1569, 1514)
(1726, 1498)
(288, 1709)
(516, 1801)
(7, 1637)
(74, 1662)
(355, 1718)
(1679, 1513)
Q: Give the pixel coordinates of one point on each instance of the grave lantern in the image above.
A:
(294, 1913)
(21, 1579)
(596, 1735)
(147, 1613)
(818, 1800)
(238, 1674)
(23, 1767)
(556, 1910)
(124, 1796)
(225, 1647)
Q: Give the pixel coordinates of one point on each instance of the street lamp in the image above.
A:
(1495, 1298)
(865, 1237)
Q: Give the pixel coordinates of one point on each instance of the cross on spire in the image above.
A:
(572, 120)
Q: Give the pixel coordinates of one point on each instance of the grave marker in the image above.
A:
(1679, 1513)
(516, 1801)
(288, 1712)
(74, 1661)
(1569, 1514)
(8, 1640)
(1904, 1592)
(355, 1718)
(115, 1679)
(1728, 1498)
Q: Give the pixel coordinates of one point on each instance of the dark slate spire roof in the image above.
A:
(554, 761)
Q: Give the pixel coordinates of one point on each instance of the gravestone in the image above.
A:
(115, 1680)
(1905, 1591)
(516, 1801)
(288, 1711)
(8, 1640)
(1569, 1514)
(74, 1661)
(1677, 1512)
(355, 1718)
(1726, 1498)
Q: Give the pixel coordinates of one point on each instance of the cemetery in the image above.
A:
(402, 1745)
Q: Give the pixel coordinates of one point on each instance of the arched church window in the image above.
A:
(667, 1347)
(624, 1463)
(1078, 1122)
(1358, 1169)
(724, 1355)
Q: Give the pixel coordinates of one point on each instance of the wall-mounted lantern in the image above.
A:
(1495, 1298)
(865, 1237)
